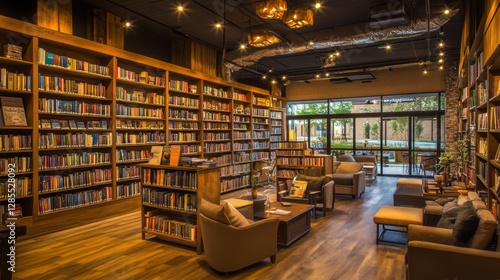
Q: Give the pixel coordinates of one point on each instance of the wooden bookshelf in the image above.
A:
(134, 102)
(170, 200)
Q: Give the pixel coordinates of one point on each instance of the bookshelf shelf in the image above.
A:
(182, 204)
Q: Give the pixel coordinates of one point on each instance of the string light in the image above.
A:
(387, 47)
(283, 77)
(317, 5)
(218, 25)
(242, 46)
(180, 8)
(127, 24)
(447, 11)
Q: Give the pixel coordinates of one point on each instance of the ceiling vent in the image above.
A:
(353, 77)
(387, 15)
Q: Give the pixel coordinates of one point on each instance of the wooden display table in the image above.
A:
(291, 226)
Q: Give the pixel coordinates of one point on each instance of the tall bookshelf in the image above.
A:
(480, 98)
(170, 199)
(102, 110)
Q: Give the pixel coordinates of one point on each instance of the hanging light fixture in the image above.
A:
(271, 9)
(299, 18)
(262, 38)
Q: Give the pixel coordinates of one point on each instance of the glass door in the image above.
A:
(425, 145)
(341, 136)
(394, 155)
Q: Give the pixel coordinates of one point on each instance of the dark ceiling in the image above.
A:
(413, 29)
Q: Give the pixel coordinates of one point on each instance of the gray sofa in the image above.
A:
(437, 252)
(349, 178)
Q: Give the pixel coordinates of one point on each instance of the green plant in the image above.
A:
(457, 157)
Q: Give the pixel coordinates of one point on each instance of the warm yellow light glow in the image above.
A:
(271, 9)
(424, 71)
(441, 54)
(317, 5)
(330, 56)
(264, 77)
(243, 46)
(311, 43)
(441, 44)
(441, 67)
(128, 24)
(218, 25)
(327, 75)
(273, 81)
(298, 18)
(447, 11)
(387, 47)
(283, 77)
(262, 38)
(180, 8)
(337, 53)
(317, 76)
(440, 60)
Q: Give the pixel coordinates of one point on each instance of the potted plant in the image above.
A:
(454, 160)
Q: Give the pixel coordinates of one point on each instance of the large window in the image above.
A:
(395, 128)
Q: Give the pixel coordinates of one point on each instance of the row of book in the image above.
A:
(142, 77)
(495, 117)
(217, 147)
(276, 123)
(234, 182)
(17, 164)
(128, 190)
(219, 92)
(289, 161)
(242, 146)
(62, 85)
(260, 156)
(482, 121)
(69, 160)
(241, 157)
(261, 112)
(184, 101)
(216, 105)
(241, 119)
(290, 152)
(72, 124)
(176, 114)
(138, 112)
(261, 101)
(220, 159)
(11, 142)
(241, 126)
(14, 81)
(170, 199)
(123, 138)
(260, 134)
(163, 224)
(183, 125)
(128, 171)
(482, 146)
(276, 138)
(48, 58)
(13, 51)
(76, 199)
(73, 140)
(242, 135)
(175, 179)
(182, 86)
(276, 115)
(183, 136)
(139, 124)
(190, 149)
(292, 145)
(55, 106)
(482, 92)
(260, 145)
(314, 161)
(215, 126)
(210, 136)
(241, 109)
(139, 96)
(235, 169)
(287, 173)
(476, 68)
(22, 185)
(211, 116)
(49, 183)
(240, 96)
(132, 155)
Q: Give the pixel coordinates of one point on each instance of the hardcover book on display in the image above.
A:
(13, 111)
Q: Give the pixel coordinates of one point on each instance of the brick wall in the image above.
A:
(450, 77)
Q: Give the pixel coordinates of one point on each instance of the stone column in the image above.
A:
(450, 77)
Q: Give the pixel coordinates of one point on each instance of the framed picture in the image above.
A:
(13, 111)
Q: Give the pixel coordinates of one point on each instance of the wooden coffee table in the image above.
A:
(291, 226)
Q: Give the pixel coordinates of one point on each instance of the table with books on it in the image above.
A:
(437, 189)
(294, 220)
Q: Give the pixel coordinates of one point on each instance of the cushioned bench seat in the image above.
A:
(409, 183)
(396, 216)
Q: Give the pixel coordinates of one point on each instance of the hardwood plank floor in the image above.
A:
(340, 246)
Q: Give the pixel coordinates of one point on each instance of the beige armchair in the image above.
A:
(349, 178)
(230, 246)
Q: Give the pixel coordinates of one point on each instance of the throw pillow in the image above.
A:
(213, 211)
(346, 158)
(442, 201)
(466, 223)
(462, 199)
(448, 218)
(314, 183)
(349, 167)
(234, 216)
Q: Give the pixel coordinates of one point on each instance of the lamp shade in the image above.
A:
(271, 9)
(262, 38)
(299, 18)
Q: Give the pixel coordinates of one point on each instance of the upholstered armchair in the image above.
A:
(363, 159)
(320, 190)
(232, 242)
(349, 178)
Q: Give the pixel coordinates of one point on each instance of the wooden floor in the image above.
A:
(339, 246)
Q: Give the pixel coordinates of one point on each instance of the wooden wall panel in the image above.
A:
(181, 53)
(491, 31)
(114, 31)
(203, 59)
(56, 15)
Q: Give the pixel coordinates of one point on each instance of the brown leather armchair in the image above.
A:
(229, 248)
(349, 178)
(323, 194)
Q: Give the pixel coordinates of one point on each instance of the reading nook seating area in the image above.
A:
(288, 140)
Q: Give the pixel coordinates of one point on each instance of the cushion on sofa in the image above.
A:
(214, 211)
(346, 158)
(336, 165)
(234, 216)
(466, 223)
(485, 230)
(343, 179)
(314, 183)
(448, 218)
(349, 167)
